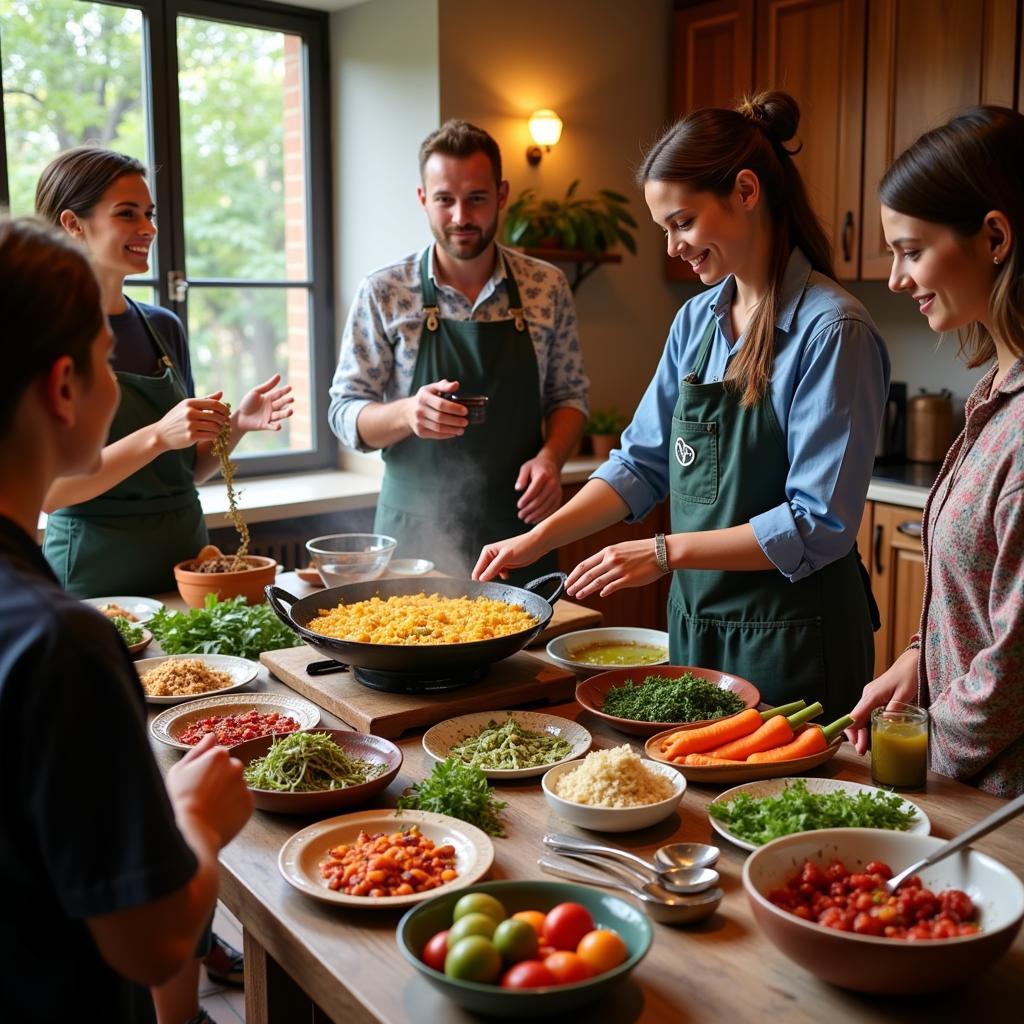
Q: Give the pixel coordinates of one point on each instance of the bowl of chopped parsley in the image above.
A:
(645, 702)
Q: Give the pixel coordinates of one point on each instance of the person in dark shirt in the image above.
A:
(110, 876)
(141, 498)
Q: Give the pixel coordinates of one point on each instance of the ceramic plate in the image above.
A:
(147, 639)
(300, 857)
(143, 608)
(409, 566)
(241, 670)
(718, 773)
(442, 737)
(591, 693)
(773, 787)
(168, 725)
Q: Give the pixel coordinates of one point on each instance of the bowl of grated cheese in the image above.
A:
(613, 790)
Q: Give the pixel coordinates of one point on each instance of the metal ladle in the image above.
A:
(687, 855)
(656, 901)
(676, 879)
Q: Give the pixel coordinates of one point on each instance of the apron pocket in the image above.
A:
(693, 461)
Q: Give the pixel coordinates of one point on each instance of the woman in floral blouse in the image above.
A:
(953, 217)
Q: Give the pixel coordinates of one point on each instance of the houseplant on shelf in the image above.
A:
(590, 226)
(604, 429)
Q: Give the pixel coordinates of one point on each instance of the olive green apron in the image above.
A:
(127, 540)
(811, 638)
(444, 500)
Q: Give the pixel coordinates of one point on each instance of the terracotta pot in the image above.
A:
(602, 444)
(194, 586)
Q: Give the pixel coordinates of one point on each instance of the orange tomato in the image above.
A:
(568, 967)
(534, 918)
(602, 949)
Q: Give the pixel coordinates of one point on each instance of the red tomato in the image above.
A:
(568, 967)
(435, 951)
(566, 924)
(528, 974)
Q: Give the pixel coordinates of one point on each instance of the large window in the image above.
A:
(226, 102)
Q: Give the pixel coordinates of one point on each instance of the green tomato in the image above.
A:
(479, 903)
(516, 940)
(473, 958)
(471, 924)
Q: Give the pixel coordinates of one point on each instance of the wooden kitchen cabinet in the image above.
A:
(633, 606)
(897, 575)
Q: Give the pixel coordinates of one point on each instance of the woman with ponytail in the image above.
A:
(760, 422)
(953, 217)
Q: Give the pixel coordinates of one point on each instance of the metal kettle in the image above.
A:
(929, 426)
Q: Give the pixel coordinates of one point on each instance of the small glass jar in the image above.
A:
(899, 746)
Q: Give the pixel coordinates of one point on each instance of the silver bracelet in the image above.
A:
(661, 553)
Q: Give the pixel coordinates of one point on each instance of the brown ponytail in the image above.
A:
(706, 150)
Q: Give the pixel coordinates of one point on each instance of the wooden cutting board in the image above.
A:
(518, 680)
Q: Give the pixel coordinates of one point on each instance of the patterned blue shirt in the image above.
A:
(382, 335)
(829, 384)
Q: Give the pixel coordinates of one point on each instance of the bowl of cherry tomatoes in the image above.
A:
(524, 948)
(820, 897)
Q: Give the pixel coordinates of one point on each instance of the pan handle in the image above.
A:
(534, 585)
(278, 598)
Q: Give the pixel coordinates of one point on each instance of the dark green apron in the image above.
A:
(127, 540)
(444, 500)
(811, 638)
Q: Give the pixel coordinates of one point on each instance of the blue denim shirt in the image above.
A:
(829, 385)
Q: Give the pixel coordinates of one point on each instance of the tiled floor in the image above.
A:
(224, 1005)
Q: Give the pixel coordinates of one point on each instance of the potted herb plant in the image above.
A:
(591, 225)
(604, 428)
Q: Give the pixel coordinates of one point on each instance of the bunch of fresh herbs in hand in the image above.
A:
(222, 627)
(131, 632)
(459, 790)
(758, 820)
(687, 698)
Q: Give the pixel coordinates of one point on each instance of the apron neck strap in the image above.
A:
(703, 353)
(154, 337)
(432, 310)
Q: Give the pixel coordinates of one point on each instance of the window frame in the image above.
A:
(160, 84)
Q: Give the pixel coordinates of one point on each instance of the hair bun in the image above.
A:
(775, 112)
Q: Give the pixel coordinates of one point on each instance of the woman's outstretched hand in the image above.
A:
(496, 559)
(265, 406)
(192, 420)
(632, 563)
(896, 683)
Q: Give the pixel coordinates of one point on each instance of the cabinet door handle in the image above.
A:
(846, 235)
(911, 528)
(878, 550)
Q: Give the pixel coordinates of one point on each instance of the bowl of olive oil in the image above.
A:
(587, 651)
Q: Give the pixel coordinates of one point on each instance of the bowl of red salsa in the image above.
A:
(820, 898)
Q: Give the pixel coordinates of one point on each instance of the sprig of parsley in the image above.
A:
(459, 790)
(758, 820)
(222, 627)
(131, 633)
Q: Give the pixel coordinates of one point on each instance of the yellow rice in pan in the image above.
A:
(415, 619)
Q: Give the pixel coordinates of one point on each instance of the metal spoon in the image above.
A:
(687, 855)
(982, 828)
(675, 879)
(668, 909)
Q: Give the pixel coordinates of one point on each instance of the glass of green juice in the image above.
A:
(899, 746)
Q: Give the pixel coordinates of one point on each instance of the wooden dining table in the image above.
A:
(307, 960)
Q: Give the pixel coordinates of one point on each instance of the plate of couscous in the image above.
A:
(176, 678)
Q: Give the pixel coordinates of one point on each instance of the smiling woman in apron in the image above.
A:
(121, 529)
(760, 423)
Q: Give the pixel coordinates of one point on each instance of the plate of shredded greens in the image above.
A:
(508, 744)
(316, 771)
(758, 812)
(136, 638)
(643, 702)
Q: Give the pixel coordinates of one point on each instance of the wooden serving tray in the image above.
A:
(516, 681)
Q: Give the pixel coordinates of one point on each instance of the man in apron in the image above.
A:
(463, 318)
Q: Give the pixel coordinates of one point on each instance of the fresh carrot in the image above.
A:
(697, 741)
(812, 739)
(774, 733)
(703, 760)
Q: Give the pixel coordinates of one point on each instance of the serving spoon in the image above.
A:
(976, 831)
(687, 855)
(676, 879)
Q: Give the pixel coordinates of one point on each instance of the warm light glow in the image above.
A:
(545, 127)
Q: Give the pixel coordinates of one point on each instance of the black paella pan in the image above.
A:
(418, 668)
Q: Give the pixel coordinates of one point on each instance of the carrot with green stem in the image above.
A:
(697, 741)
(774, 733)
(812, 739)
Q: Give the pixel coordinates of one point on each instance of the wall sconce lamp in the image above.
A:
(545, 129)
